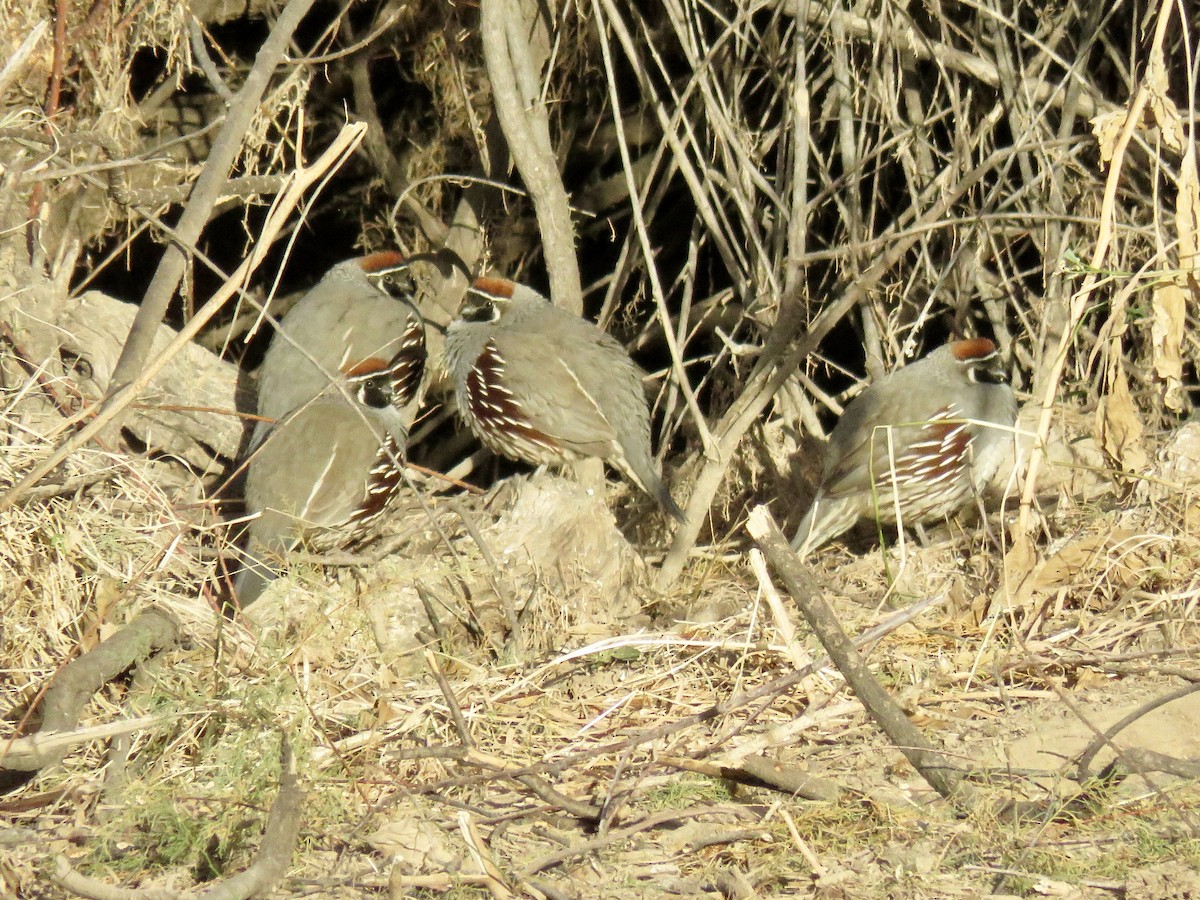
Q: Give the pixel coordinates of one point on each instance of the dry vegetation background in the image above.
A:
(770, 202)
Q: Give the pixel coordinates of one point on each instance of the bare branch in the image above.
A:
(205, 195)
(505, 28)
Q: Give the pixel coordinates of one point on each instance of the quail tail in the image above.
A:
(824, 521)
(252, 581)
(665, 500)
(643, 472)
(803, 538)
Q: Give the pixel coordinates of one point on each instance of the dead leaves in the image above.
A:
(1089, 571)
(1166, 335)
(1152, 113)
(1118, 423)
(1170, 297)
(1117, 557)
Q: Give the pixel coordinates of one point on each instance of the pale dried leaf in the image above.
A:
(1020, 562)
(1107, 126)
(1170, 124)
(1187, 212)
(1107, 129)
(1083, 560)
(1118, 424)
(414, 843)
(1166, 330)
(1048, 887)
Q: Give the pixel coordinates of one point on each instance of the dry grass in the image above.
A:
(397, 791)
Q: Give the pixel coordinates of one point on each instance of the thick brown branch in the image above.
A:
(274, 855)
(75, 684)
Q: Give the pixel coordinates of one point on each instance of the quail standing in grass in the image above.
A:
(538, 384)
(325, 472)
(359, 310)
(916, 446)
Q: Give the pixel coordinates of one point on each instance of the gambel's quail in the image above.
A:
(918, 445)
(540, 385)
(325, 472)
(355, 312)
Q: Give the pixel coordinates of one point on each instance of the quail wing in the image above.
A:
(561, 401)
(325, 452)
(863, 450)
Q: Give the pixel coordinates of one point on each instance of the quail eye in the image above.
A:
(480, 311)
(398, 283)
(375, 393)
(981, 375)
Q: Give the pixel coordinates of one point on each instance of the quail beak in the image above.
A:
(477, 309)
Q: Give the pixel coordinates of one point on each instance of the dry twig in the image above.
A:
(506, 27)
(947, 779)
(204, 196)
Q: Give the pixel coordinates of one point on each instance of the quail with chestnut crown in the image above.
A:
(359, 310)
(919, 444)
(326, 472)
(538, 384)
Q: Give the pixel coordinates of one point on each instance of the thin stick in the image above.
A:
(947, 779)
(639, 223)
(16, 62)
(1081, 300)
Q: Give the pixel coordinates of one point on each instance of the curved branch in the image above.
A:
(75, 684)
(274, 855)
